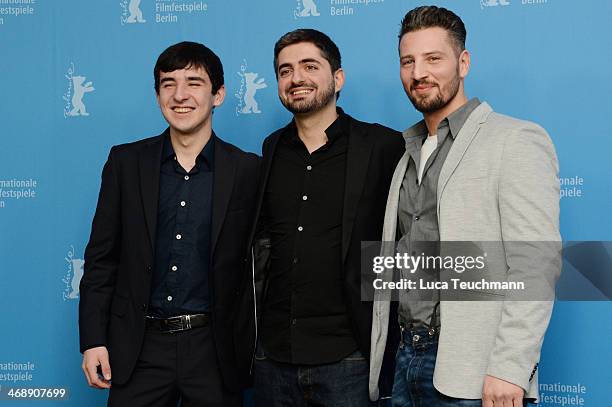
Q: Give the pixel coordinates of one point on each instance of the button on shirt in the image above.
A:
(182, 249)
(417, 211)
(305, 319)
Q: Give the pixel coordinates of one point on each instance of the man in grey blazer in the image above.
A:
(468, 174)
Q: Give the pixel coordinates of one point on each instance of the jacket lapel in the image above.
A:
(357, 161)
(460, 145)
(223, 183)
(149, 166)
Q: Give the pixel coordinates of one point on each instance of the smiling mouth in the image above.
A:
(301, 92)
(178, 109)
(423, 87)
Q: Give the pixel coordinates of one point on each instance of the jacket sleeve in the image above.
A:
(529, 212)
(101, 260)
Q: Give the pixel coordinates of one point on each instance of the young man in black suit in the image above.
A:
(325, 181)
(168, 251)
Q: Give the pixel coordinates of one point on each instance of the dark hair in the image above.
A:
(329, 50)
(432, 16)
(190, 55)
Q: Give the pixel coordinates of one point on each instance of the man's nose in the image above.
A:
(419, 71)
(181, 92)
(298, 77)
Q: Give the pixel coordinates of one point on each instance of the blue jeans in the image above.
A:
(340, 384)
(414, 367)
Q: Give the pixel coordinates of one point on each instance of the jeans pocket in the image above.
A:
(355, 357)
(259, 353)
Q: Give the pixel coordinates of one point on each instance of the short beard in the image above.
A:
(316, 104)
(439, 101)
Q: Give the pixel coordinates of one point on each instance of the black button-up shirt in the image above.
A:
(182, 250)
(305, 319)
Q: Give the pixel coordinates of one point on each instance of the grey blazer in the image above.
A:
(499, 183)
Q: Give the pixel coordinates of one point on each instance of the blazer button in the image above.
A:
(149, 269)
(144, 307)
(245, 260)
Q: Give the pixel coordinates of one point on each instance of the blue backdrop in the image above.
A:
(77, 77)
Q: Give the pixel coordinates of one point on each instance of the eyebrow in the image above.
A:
(425, 54)
(309, 60)
(189, 78)
(195, 78)
(300, 62)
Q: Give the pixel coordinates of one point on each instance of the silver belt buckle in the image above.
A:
(176, 319)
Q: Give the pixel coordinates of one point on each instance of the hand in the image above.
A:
(92, 358)
(500, 393)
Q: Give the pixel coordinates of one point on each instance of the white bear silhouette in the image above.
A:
(77, 273)
(490, 3)
(135, 12)
(78, 107)
(250, 104)
(310, 9)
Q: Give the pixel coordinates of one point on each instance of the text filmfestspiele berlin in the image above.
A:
(165, 6)
(343, 7)
(13, 371)
(16, 8)
(347, 2)
(168, 11)
(15, 188)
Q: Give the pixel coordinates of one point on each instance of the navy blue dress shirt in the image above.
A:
(180, 283)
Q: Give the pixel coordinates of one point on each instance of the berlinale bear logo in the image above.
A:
(77, 88)
(309, 8)
(72, 278)
(80, 88)
(493, 3)
(131, 12)
(249, 85)
(250, 104)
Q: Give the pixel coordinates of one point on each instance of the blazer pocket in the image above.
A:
(119, 306)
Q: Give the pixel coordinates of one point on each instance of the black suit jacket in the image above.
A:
(116, 285)
(373, 152)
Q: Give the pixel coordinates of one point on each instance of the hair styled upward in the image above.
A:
(190, 55)
(431, 16)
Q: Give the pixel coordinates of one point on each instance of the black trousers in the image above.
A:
(175, 367)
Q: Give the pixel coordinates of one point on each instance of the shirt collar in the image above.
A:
(207, 154)
(454, 121)
(457, 119)
(339, 127)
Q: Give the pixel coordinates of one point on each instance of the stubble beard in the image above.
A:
(313, 105)
(440, 100)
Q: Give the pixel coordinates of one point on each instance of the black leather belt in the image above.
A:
(179, 323)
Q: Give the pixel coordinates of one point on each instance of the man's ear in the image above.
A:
(464, 63)
(339, 79)
(219, 96)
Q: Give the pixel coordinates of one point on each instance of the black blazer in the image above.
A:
(116, 285)
(373, 152)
